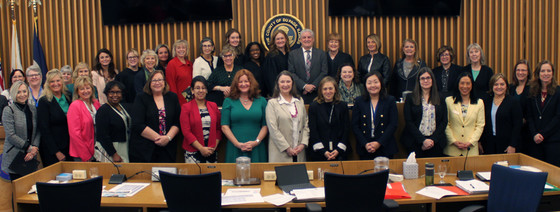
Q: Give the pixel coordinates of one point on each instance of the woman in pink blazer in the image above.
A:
(200, 123)
(81, 123)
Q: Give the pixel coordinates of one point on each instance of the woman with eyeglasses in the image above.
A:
(15, 75)
(126, 77)
(219, 82)
(34, 78)
(205, 64)
(446, 74)
(425, 115)
(155, 123)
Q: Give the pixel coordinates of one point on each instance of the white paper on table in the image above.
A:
(309, 193)
(435, 192)
(242, 191)
(242, 196)
(278, 199)
(126, 189)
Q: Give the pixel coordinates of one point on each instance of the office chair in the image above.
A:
(356, 193)
(513, 190)
(80, 196)
(192, 192)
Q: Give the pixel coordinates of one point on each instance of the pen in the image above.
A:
(472, 186)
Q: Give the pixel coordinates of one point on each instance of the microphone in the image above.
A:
(465, 174)
(194, 160)
(115, 178)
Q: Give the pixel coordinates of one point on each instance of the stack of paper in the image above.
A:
(439, 192)
(234, 196)
(486, 176)
(473, 186)
(310, 194)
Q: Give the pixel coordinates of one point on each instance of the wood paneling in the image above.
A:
(508, 30)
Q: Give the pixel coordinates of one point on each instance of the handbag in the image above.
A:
(20, 166)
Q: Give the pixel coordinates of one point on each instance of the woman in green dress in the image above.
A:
(243, 119)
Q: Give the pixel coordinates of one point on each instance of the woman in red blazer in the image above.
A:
(200, 123)
(81, 125)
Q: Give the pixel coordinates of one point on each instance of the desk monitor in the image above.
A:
(292, 177)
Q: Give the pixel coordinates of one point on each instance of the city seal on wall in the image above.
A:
(285, 22)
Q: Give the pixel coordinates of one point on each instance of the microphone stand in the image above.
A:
(115, 178)
(465, 174)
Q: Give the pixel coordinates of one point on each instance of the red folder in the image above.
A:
(396, 191)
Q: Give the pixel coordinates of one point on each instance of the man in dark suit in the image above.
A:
(309, 66)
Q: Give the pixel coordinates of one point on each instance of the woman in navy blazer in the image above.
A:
(378, 140)
(543, 115)
(504, 118)
(51, 120)
(479, 70)
(201, 140)
(153, 133)
(422, 108)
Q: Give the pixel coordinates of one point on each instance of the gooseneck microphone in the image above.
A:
(115, 178)
(465, 174)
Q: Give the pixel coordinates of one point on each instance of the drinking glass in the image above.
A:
(442, 170)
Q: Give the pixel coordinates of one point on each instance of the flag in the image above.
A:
(38, 53)
(1, 76)
(15, 57)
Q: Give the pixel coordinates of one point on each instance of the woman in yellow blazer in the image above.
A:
(466, 119)
(286, 118)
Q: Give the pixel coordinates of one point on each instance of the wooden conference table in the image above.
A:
(152, 197)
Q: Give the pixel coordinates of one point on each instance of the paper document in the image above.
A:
(473, 186)
(484, 175)
(236, 196)
(310, 193)
(435, 192)
(125, 190)
(278, 199)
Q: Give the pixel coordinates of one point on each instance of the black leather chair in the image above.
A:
(80, 196)
(513, 190)
(356, 193)
(201, 193)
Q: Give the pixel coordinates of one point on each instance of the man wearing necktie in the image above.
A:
(309, 66)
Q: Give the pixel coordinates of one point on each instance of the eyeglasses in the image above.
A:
(227, 55)
(444, 55)
(33, 75)
(157, 80)
(133, 57)
(425, 78)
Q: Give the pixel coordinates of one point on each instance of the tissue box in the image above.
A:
(410, 170)
(64, 177)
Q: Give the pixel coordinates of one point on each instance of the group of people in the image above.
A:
(139, 114)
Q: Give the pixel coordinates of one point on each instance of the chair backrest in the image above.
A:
(80, 196)
(192, 192)
(355, 192)
(515, 190)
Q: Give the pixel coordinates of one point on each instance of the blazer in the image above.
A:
(413, 139)
(81, 130)
(482, 83)
(386, 121)
(99, 84)
(400, 83)
(454, 71)
(334, 64)
(191, 125)
(179, 76)
(279, 122)
(509, 119)
(128, 77)
(274, 63)
(465, 130)
(53, 125)
(322, 133)
(145, 114)
(380, 63)
(15, 126)
(545, 120)
(110, 127)
(202, 68)
(319, 67)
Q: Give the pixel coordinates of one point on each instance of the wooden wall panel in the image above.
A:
(72, 31)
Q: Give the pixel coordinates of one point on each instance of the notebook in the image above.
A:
(292, 177)
(473, 186)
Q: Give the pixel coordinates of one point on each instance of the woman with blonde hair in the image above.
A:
(179, 70)
(403, 78)
(81, 120)
(52, 120)
(127, 75)
(374, 60)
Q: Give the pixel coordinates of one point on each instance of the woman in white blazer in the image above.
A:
(286, 118)
(466, 119)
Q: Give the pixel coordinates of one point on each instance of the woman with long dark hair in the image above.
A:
(425, 114)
